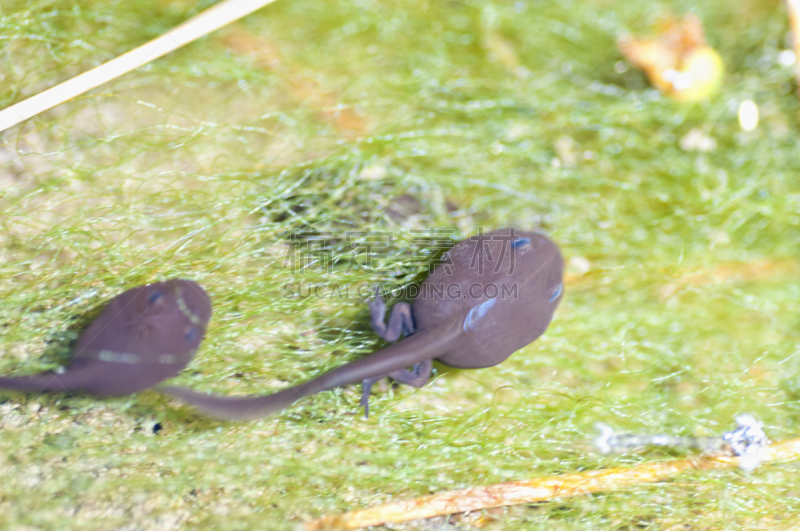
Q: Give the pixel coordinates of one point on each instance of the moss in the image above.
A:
(681, 308)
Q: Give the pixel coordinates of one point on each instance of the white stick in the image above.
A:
(793, 7)
(202, 24)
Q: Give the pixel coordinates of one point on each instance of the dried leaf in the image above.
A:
(677, 61)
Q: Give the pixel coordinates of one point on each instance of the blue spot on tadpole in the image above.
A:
(520, 242)
(154, 297)
(191, 335)
(556, 293)
(476, 313)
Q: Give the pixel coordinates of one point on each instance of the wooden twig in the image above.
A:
(202, 24)
(535, 490)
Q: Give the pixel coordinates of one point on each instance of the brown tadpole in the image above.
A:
(142, 337)
(491, 295)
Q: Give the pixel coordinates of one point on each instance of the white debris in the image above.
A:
(748, 115)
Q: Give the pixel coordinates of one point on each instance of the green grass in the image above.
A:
(195, 166)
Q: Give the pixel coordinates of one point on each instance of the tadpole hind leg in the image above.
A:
(366, 389)
(416, 377)
(401, 320)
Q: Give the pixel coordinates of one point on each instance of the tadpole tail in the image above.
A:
(240, 407)
(47, 382)
(411, 350)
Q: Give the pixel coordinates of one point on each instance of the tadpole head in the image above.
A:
(161, 323)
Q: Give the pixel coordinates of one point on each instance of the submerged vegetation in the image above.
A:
(681, 308)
